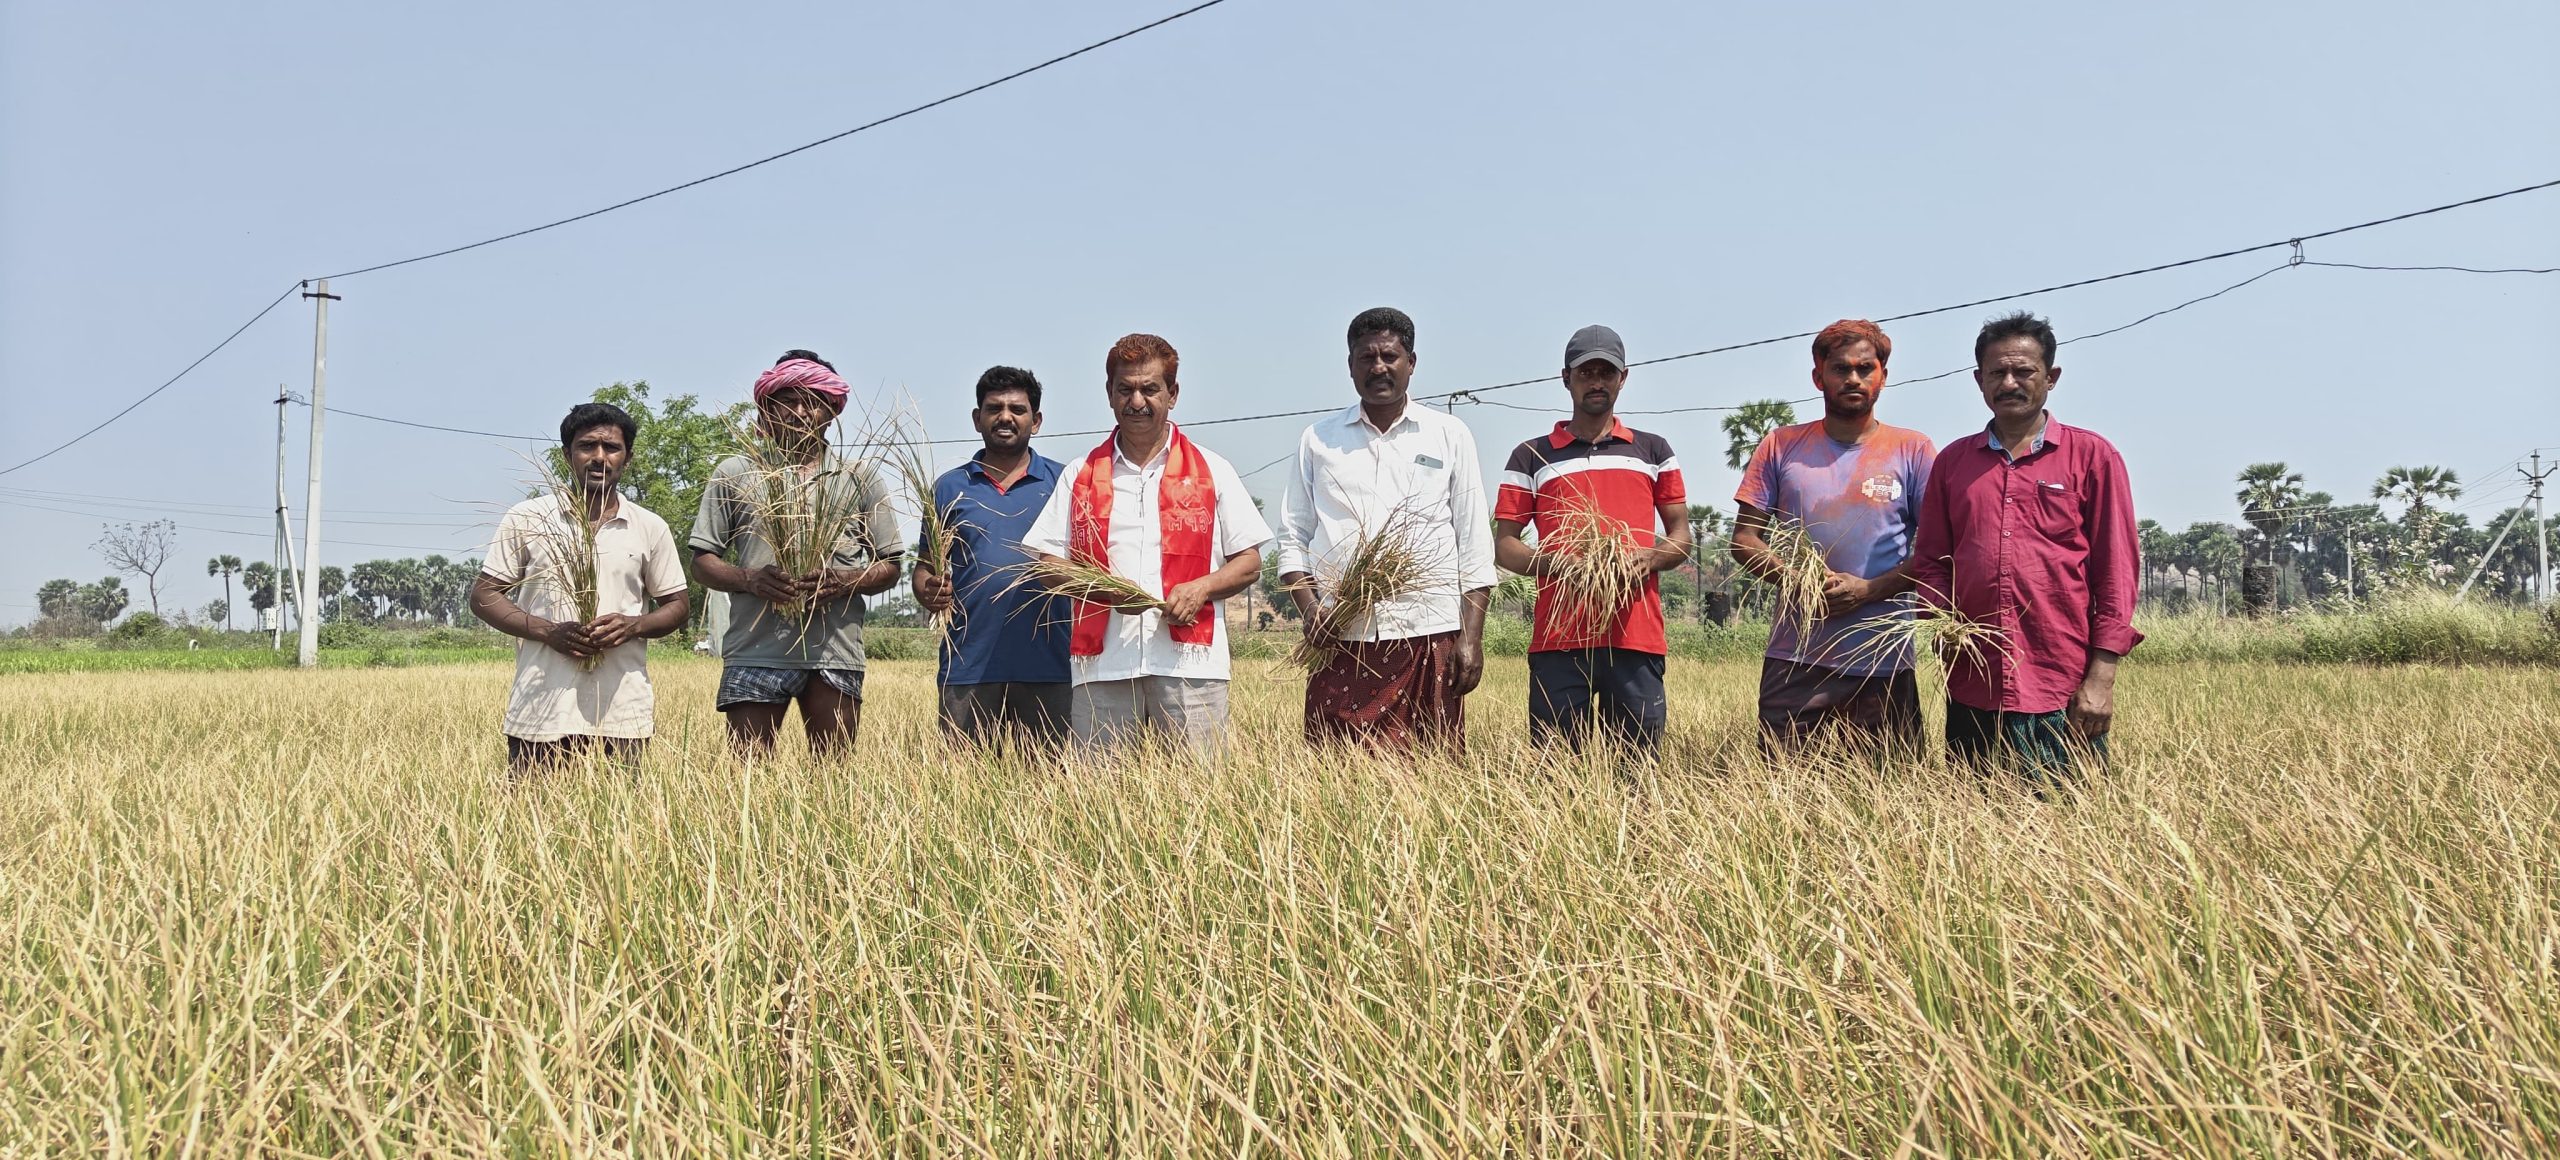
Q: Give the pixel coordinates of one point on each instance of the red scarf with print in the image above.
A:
(1186, 515)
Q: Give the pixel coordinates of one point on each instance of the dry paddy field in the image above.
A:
(2311, 911)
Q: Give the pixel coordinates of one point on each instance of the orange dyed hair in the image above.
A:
(1848, 331)
(1140, 349)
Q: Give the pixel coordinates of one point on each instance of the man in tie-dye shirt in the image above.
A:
(1854, 485)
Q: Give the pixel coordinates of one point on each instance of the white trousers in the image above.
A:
(1190, 710)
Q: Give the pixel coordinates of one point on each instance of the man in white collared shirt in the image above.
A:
(582, 685)
(1398, 677)
(1174, 518)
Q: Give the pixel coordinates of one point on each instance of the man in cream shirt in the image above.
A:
(1174, 518)
(561, 707)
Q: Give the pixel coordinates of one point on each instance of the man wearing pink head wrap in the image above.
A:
(772, 659)
(803, 370)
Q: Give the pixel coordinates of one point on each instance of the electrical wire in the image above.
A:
(265, 535)
(263, 510)
(2073, 285)
(154, 392)
(2451, 269)
(797, 149)
(1467, 394)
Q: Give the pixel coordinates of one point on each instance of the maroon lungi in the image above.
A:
(1389, 694)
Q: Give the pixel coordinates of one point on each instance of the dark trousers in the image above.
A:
(1866, 713)
(526, 758)
(1033, 714)
(2041, 747)
(1618, 689)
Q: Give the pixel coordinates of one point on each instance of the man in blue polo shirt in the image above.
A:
(1004, 664)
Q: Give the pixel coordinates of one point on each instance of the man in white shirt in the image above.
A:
(1174, 518)
(582, 685)
(1398, 677)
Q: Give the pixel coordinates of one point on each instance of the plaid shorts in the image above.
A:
(747, 685)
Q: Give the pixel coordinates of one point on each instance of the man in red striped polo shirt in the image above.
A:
(2027, 526)
(1582, 671)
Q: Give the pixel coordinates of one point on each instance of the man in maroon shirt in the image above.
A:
(2028, 528)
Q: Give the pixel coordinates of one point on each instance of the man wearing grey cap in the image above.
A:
(1587, 664)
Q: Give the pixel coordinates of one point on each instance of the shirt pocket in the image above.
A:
(2057, 512)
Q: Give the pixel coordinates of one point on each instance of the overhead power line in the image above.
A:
(154, 392)
(2449, 269)
(732, 171)
(265, 535)
(1467, 394)
(829, 139)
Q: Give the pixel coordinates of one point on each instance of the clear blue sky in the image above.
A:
(1242, 182)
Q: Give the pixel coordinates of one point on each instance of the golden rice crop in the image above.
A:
(2308, 911)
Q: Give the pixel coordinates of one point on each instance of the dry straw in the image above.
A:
(1800, 573)
(1077, 581)
(903, 444)
(1593, 564)
(563, 555)
(1385, 563)
(1950, 636)
(807, 513)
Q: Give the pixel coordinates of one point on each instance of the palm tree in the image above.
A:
(2270, 495)
(225, 567)
(2419, 487)
(2157, 547)
(2270, 498)
(1705, 524)
(58, 598)
(1749, 424)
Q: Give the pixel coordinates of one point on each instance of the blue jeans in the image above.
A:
(1620, 689)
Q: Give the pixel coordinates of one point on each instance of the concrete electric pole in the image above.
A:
(309, 656)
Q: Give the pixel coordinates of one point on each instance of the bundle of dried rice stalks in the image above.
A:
(903, 444)
(1801, 573)
(1944, 633)
(1383, 564)
(1076, 581)
(1593, 562)
(807, 513)
(563, 547)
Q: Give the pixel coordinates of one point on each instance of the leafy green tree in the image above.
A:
(218, 610)
(225, 567)
(1750, 423)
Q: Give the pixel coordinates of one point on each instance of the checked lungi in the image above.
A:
(1389, 694)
